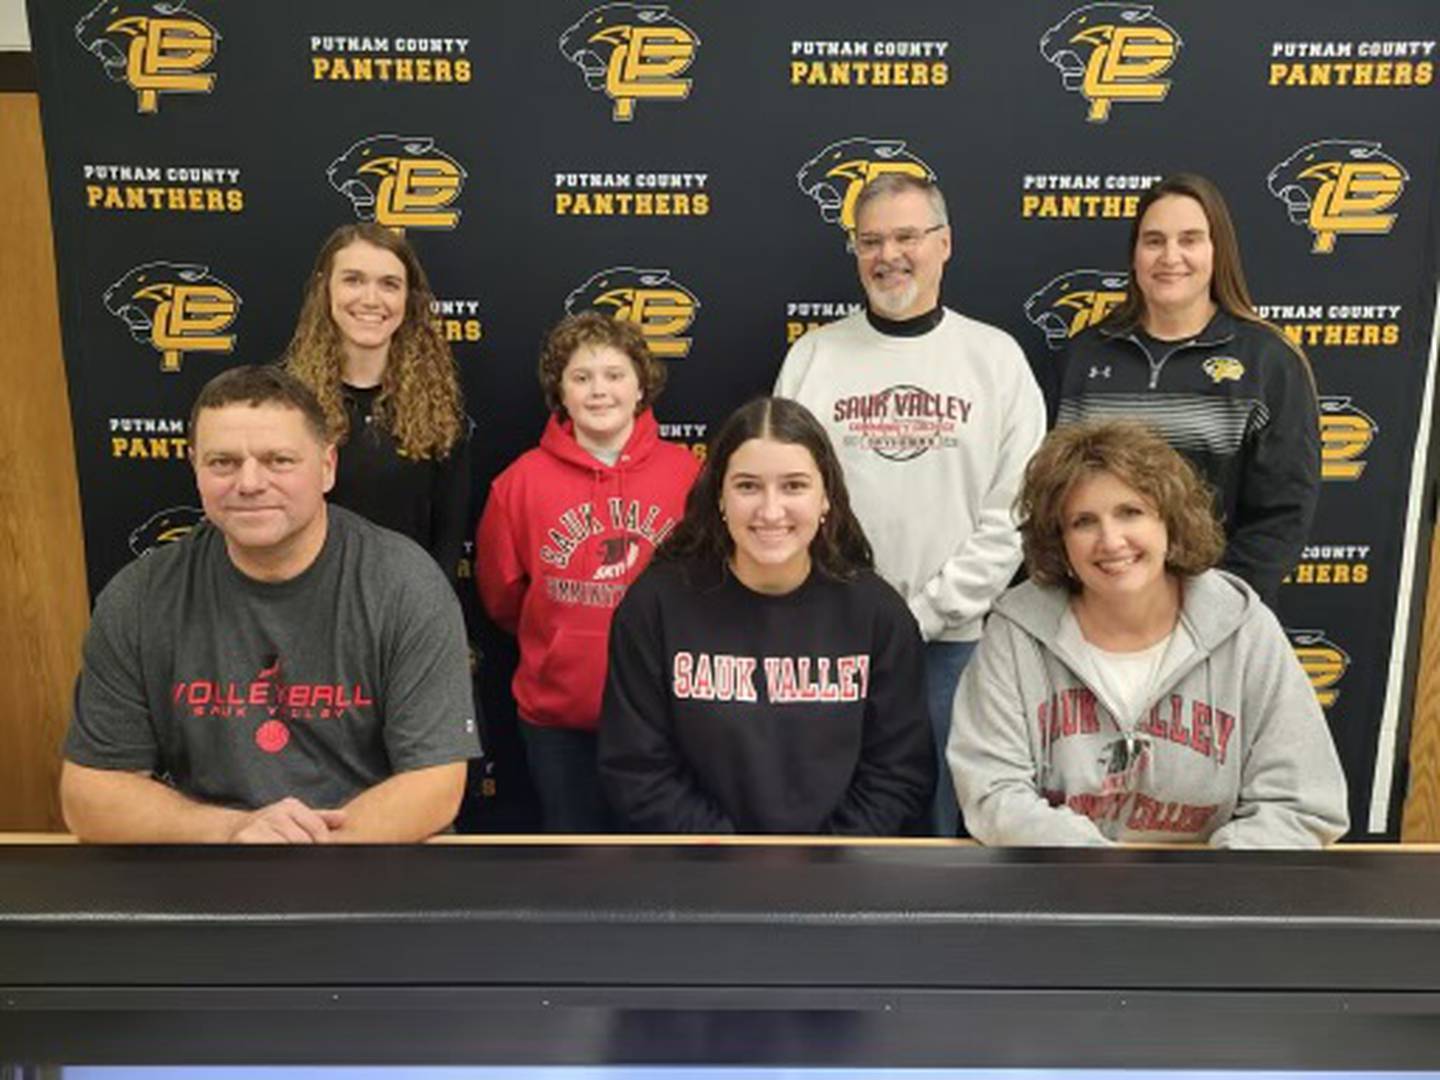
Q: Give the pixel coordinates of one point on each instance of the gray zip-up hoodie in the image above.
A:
(1234, 751)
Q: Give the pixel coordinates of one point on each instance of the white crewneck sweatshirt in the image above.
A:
(933, 432)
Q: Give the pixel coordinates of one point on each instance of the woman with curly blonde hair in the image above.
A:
(366, 344)
(1128, 691)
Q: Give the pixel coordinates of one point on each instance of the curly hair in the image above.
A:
(839, 548)
(1140, 459)
(419, 403)
(596, 330)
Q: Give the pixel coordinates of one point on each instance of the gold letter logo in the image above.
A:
(189, 318)
(175, 308)
(835, 176)
(1337, 186)
(412, 191)
(645, 65)
(1350, 198)
(1074, 300)
(151, 53)
(1129, 49)
(1324, 662)
(662, 315)
(660, 306)
(1345, 433)
(631, 51)
(400, 181)
(1090, 306)
(165, 56)
(1124, 66)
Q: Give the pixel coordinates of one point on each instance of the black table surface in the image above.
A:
(721, 915)
(936, 952)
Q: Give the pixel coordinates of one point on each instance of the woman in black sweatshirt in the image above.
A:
(762, 678)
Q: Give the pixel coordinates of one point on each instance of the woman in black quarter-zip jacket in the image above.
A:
(1187, 354)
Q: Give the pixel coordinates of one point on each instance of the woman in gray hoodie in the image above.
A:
(1128, 691)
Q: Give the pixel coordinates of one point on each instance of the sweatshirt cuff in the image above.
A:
(932, 623)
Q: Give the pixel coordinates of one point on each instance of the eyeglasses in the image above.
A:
(905, 239)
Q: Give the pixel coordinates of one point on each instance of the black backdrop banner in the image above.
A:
(692, 167)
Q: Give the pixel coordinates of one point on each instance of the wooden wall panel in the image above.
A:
(43, 606)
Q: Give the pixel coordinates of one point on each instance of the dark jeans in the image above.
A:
(566, 775)
(944, 661)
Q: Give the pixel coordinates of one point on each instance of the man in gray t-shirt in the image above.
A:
(289, 672)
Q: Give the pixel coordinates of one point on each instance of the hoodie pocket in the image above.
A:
(571, 678)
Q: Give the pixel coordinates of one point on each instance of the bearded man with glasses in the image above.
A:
(934, 416)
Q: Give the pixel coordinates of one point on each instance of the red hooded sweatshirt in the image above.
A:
(562, 537)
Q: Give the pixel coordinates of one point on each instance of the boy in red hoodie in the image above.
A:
(568, 526)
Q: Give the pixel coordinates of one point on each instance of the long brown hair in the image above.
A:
(1227, 279)
(839, 549)
(419, 402)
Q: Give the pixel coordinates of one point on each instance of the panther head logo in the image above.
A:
(631, 51)
(176, 308)
(164, 527)
(1223, 369)
(1109, 52)
(1323, 661)
(652, 299)
(132, 301)
(608, 26)
(134, 297)
(154, 45)
(1087, 27)
(1297, 179)
(1067, 304)
(835, 176)
(1338, 186)
(399, 181)
(109, 27)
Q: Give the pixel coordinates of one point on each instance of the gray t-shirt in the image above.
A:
(239, 692)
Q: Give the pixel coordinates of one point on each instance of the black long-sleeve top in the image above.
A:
(728, 710)
(426, 499)
(1239, 404)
